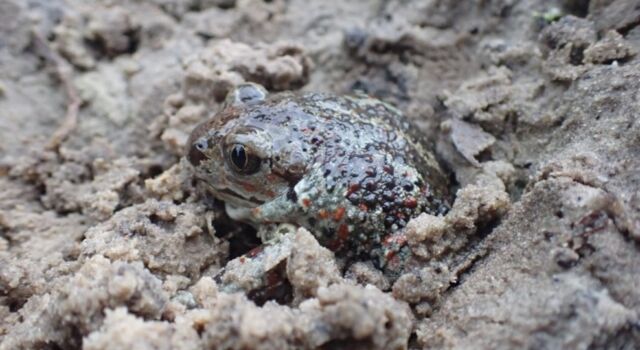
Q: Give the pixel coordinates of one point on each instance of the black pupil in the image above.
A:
(239, 156)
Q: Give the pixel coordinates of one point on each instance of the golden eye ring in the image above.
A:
(242, 160)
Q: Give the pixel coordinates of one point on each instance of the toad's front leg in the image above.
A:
(261, 273)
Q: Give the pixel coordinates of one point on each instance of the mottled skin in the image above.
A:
(347, 168)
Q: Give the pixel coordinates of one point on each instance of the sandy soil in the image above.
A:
(106, 243)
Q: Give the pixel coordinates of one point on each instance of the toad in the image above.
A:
(350, 169)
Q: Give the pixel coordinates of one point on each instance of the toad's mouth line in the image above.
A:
(230, 192)
(228, 195)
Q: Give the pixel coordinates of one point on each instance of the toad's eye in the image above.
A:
(242, 160)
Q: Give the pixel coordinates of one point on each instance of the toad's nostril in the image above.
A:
(196, 152)
(201, 145)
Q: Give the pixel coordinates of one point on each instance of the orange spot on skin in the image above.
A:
(255, 251)
(343, 232)
(363, 207)
(338, 214)
(306, 202)
(411, 202)
(323, 214)
(393, 261)
(352, 188)
(390, 255)
(247, 186)
(341, 237)
(393, 242)
(242, 259)
(395, 239)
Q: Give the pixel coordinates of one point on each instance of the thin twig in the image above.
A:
(64, 73)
